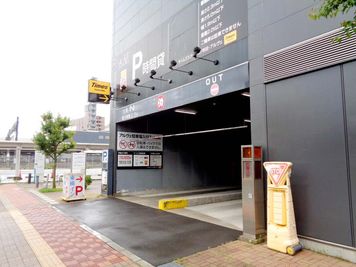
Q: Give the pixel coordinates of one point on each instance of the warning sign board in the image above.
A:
(128, 141)
(276, 171)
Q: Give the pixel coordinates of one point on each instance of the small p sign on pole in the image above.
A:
(105, 156)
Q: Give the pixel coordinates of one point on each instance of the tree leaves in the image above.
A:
(53, 139)
(331, 8)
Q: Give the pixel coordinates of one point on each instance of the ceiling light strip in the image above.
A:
(205, 131)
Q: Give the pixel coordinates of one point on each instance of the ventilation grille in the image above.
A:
(309, 55)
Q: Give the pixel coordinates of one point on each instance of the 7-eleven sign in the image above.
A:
(276, 171)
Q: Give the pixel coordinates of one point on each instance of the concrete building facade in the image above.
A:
(90, 121)
(280, 82)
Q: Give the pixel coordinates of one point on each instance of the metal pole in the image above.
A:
(17, 129)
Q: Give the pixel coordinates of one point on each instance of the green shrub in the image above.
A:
(88, 180)
(50, 190)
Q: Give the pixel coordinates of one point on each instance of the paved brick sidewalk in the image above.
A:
(60, 241)
(14, 250)
(240, 253)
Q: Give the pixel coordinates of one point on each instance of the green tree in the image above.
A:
(331, 8)
(53, 140)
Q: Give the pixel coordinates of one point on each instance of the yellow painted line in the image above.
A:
(44, 253)
(177, 203)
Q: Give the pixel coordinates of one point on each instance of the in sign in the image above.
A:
(160, 102)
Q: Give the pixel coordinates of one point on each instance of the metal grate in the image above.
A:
(309, 55)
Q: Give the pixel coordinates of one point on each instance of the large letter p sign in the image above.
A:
(136, 63)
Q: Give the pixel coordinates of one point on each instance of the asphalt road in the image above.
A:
(156, 236)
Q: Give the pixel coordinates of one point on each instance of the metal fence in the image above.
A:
(27, 160)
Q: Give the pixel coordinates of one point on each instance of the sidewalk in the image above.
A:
(238, 253)
(35, 234)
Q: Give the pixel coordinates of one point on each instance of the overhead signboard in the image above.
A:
(99, 92)
(220, 83)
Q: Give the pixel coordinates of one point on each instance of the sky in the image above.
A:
(48, 51)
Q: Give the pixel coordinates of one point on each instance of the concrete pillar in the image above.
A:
(18, 161)
(252, 195)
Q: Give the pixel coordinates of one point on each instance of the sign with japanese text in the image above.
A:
(219, 83)
(73, 187)
(78, 163)
(39, 163)
(209, 24)
(156, 160)
(216, 25)
(128, 141)
(134, 159)
(124, 159)
(139, 150)
(141, 160)
(99, 91)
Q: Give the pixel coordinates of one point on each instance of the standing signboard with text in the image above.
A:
(104, 170)
(74, 183)
(73, 187)
(78, 163)
(39, 166)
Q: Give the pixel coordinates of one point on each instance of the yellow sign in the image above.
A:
(281, 227)
(98, 87)
(230, 37)
(123, 77)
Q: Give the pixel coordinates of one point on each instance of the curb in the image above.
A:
(103, 238)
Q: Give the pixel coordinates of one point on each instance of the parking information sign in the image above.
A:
(105, 156)
(78, 163)
(99, 92)
(127, 141)
(73, 187)
(139, 150)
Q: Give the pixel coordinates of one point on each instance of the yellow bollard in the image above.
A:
(281, 228)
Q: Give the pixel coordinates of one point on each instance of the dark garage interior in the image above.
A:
(208, 158)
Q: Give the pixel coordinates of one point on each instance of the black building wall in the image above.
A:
(307, 119)
(173, 27)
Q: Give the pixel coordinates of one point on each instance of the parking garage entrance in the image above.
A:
(201, 145)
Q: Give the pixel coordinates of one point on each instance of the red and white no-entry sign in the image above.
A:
(214, 89)
(160, 102)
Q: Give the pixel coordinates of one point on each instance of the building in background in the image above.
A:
(18, 157)
(90, 121)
